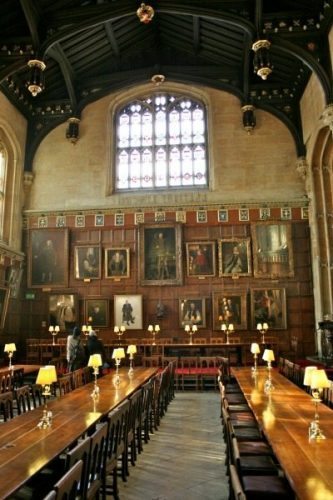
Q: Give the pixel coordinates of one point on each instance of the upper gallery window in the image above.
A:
(161, 143)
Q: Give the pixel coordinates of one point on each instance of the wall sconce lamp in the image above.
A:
(54, 330)
(118, 354)
(249, 119)
(73, 129)
(261, 62)
(269, 357)
(317, 381)
(145, 13)
(119, 331)
(131, 350)
(255, 350)
(190, 329)
(95, 361)
(154, 329)
(35, 83)
(10, 349)
(47, 375)
(227, 328)
(262, 328)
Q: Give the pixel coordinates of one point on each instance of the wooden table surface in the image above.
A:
(25, 449)
(284, 416)
(27, 369)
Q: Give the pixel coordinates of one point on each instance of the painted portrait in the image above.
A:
(234, 257)
(160, 260)
(269, 306)
(117, 263)
(200, 258)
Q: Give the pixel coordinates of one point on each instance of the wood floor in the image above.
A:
(184, 459)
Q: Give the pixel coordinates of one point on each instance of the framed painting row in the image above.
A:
(160, 257)
(267, 305)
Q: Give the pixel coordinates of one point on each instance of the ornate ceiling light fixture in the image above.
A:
(261, 62)
(145, 13)
(249, 119)
(72, 132)
(35, 83)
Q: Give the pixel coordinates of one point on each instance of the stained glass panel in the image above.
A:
(161, 143)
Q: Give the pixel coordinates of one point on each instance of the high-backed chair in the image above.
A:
(6, 406)
(64, 384)
(68, 486)
(96, 469)
(22, 399)
(82, 452)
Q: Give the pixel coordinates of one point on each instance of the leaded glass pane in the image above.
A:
(161, 143)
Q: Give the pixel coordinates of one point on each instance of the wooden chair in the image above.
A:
(6, 381)
(64, 384)
(87, 374)
(77, 378)
(236, 490)
(36, 395)
(80, 452)
(189, 373)
(134, 429)
(96, 469)
(68, 486)
(6, 405)
(51, 496)
(208, 372)
(216, 340)
(22, 399)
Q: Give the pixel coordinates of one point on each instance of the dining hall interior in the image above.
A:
(166, 188)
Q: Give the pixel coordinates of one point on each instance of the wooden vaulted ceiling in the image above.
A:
(91, 47)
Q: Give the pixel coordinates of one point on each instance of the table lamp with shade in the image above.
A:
(95, 361)
(153, 330)
(47, 375)
(131, 350)
(119, 330)
(262, 328)
(54, 330)
(10, 349)
(255, 350)
(190, 329)
(269, 357)
(118, 354)
(317, 381)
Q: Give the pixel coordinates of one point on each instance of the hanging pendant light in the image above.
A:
(72, 132)
(249, 119)
(261, 62)
(145, 13)
(35, 83)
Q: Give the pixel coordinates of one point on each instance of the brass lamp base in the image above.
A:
(315, 432)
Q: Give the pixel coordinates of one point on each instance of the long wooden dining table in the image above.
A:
(284, 416)
(25, 448)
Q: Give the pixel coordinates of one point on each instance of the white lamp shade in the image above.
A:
(131, 349)
(187, 328)
(265, 326)
(157, 328)
(319, 379)
(118, 353)
(255, 349)
(223, 327)
(268, 355)
(150, 328)
(308, 374)
(259, 326)
(46, 375)
(10, 347)
(116, 329)
(95, 360)
(194, 328)
(231, 327)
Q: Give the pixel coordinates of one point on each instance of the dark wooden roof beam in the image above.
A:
(112, 39)
(57, 53)
(196, 34)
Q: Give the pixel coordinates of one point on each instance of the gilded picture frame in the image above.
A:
(128, 311)
(268, 305)
(201, 258)
(48, 258)
(64, 311)
(87, 262)
(230, 306)
(272, 250)
(160, 254)
(96, 312)
(4, 299)
(192, 311)
(234, 256)
(117, 262)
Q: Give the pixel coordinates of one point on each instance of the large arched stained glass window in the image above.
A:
(161, 143)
